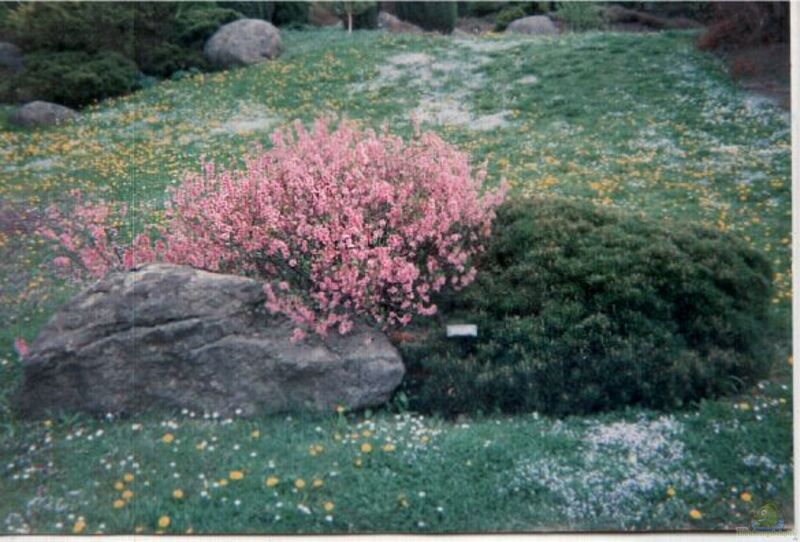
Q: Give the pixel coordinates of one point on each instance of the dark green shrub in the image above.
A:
(439, 16)
(480, 9)
(581, 309)
(291, 14)
(368, 19)
(73, 26)
(254, 10)
(73, 78)
(507, 16)
(579, 16)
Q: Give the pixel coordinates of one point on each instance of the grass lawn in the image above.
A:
(639, 121)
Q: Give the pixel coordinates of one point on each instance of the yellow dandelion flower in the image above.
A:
(79, 526)
(366, 448)
(167, 438)
(164, 522)
(388, 447)
(236, 475)
(670, 491)
(746, 497)
(744, 406)
(127, 494)
(357, 462)
(128, 477)
(328, 506)
(222, 482)
(119, 486)
(255, 434)
(299, 483)
(272, 481)
(694, 513)
(178, 494)
(317, 483)
(119, 503)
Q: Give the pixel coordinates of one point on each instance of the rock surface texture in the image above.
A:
(535, 25)
(243, 42)
(173, 337)
(42, 114)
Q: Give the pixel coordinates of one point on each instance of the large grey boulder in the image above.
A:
(10, 56)
(537, 25)
(42, 114)
(173, 337)
(243, 42)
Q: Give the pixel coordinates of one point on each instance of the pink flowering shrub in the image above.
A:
(338, 223)
(87, 240)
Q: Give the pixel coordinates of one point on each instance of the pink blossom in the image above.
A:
(340, 224)
(21, 346)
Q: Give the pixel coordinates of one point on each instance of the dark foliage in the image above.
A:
(71, 78)
(745, 24)
(438, 16)
(581, 309)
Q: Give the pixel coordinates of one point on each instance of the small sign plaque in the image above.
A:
(462, 330)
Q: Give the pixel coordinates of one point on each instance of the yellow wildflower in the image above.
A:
(317, 483)
(256, 433)
(128, 477)
(670, 491)
(236, 475)
(272, 481)
(328, 506)
(388, 447)
(127, 494)
(746, 497)
(694, 513)
(119, 486)
(299, 483)
(366, 448)
(178, 494)
(119, 503)
(79, 526)
(167, 438)
(164, 522)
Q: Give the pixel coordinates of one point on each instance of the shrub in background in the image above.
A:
(253, 10)
(506, 16)
(71, 78)
(581, 309)
(579, 16)
(745, 24)
(291, 14)
(438, 16)
(339, 224)
(89, 38)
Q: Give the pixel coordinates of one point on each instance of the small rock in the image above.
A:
(40, 113)
(243, 42)
(535, 25)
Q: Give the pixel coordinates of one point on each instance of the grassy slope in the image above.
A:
(640, 121)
